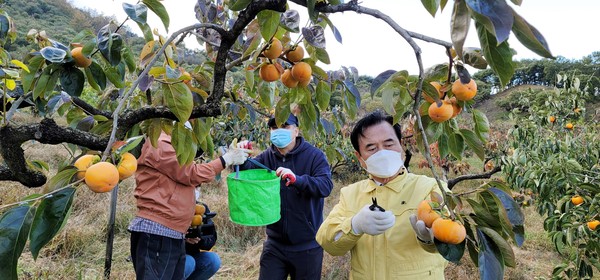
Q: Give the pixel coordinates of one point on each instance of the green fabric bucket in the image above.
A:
(254, 197)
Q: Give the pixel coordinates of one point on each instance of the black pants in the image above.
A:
(277, 263)
(157, 257)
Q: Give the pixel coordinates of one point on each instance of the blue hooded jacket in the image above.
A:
(302, 202)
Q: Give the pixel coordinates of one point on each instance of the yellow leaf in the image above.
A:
(201, 92)
(10, 84)
(147, 50)
(20, 64)
(157, 71)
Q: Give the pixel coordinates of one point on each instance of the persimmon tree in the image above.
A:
(559, 164)
(149, 92)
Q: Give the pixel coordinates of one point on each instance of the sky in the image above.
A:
(370, 45)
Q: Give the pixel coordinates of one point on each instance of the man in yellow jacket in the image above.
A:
(387, 242)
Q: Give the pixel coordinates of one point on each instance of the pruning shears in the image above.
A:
(375, 206)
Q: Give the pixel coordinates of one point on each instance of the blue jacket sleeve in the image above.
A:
(318, 183)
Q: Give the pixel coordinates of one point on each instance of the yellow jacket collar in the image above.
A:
(390, 185)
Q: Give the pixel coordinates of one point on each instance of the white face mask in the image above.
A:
(384, 163)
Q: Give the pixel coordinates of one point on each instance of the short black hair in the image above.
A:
(369, 120)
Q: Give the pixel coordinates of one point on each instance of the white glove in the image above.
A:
(372, 222)
(244, 145)
(236, 156)
(287, 175)
(424, 234)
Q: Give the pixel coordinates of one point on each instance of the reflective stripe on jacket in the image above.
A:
(395, 254)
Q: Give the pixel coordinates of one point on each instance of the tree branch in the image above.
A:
(47, 132)
(485, 175)
(228, 39)
(89, 109)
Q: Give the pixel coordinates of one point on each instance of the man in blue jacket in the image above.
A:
(291, 248)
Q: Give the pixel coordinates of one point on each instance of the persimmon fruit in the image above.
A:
(197, 220)
(426, 213)
(269, 73)
(274, 49)
(577, 200)
(295, 54)
(102, 177)
(127, 166)
(448, 231)
(464, 92)
(592, 225)
(288, 80)
(440, 113)
(80, 59)
(83, 162)
(199, 209)
(302, 72)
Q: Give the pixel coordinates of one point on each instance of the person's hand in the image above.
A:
(244, 145)
(236, 156)
(424, 234)
(286, 174)
(372, 222)
(194, 240)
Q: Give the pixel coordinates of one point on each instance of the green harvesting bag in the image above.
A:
(254, 197)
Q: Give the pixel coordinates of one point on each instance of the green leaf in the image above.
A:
(153, 130)
(451, 252)
(110, 44)
(505, 250)
(312, 13)
(54, 55)
(159, 10)
(113, 75)
(72, 81)
(443, 145)
(130, 144)
(482, 126)
(97, 75)
(46, 82)
(268, 21)
(431, 6)
(238, 5)
(129, 59)
(473, 142)
(179, 100)
(137, 13)
(61, 179)
(530, 37)
(49, 218)
(490, 266)
(495, 208)
(459, 26)
(402, 104)
(456, 145)
(387, 96)
(27, 78)
(323, 56)
(14, 227)
(498, 56)
(323, 95)
(496, 16)
(183, 143)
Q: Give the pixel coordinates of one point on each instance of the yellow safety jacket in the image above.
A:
(395, 254)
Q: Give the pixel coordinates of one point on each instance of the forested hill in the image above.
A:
(61, 21)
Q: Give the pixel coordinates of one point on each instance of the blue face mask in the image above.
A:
(281, 137)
